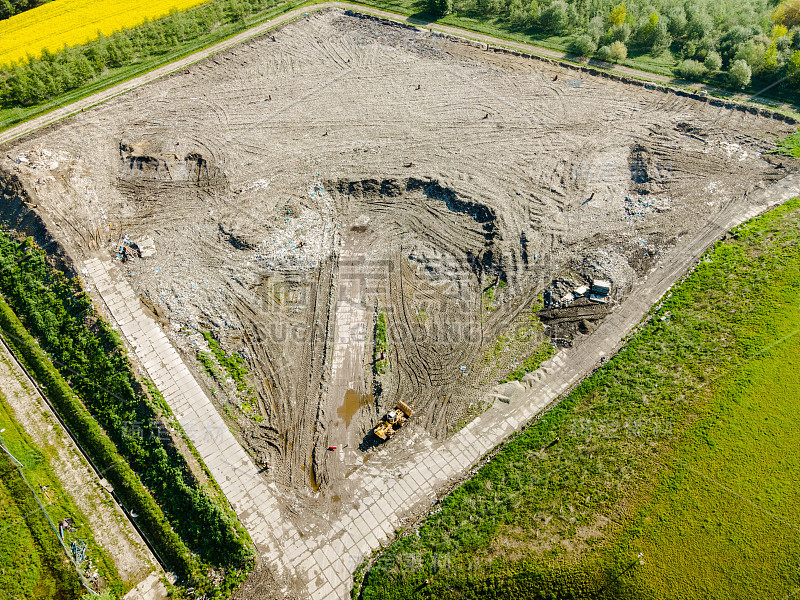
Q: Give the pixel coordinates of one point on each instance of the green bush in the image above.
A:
(660, 40)
(556, 17)
(531, 363)
(713, 61)
(9, 8)
(790, 146)
(584, 45)
(233, 364)
(380, 365)
(617, 52)
(690, 69)
(740, 74)
(620, 33)
(438, 8)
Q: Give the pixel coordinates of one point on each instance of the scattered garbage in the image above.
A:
(78, 549)
(122, 248)
(639, 208)
(66, 525)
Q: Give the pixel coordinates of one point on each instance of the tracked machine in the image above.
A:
(393, 420)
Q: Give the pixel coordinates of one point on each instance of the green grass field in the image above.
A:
(723, 522)
(682, 448)
(30, 567)
(33, 564)
(790, 146)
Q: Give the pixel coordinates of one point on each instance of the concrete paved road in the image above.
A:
(229, 464)
(319, 565)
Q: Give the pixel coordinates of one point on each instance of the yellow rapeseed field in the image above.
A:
(73, 22)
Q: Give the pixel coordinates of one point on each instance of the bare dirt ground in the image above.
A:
(111, 529)
(301, 184)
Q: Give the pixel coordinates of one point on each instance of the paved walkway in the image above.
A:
(151, 588)
(229, 464)
(350, 337)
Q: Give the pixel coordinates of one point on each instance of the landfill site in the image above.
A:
(370, 218)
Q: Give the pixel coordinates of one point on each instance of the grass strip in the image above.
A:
(38, 470)
(34, 565)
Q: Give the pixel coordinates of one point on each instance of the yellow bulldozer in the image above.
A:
(393, 420)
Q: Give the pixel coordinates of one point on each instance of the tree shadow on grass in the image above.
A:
(421, 17)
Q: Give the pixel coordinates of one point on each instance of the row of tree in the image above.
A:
(9, 8)
(740, 39)
(39, 79)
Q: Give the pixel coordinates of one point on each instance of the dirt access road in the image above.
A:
(136, 565)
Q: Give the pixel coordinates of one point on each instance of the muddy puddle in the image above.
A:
(352, 402)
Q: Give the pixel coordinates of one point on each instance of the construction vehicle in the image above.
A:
(393, 420)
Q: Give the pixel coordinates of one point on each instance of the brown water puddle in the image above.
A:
(352, 402)
(312, 474)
